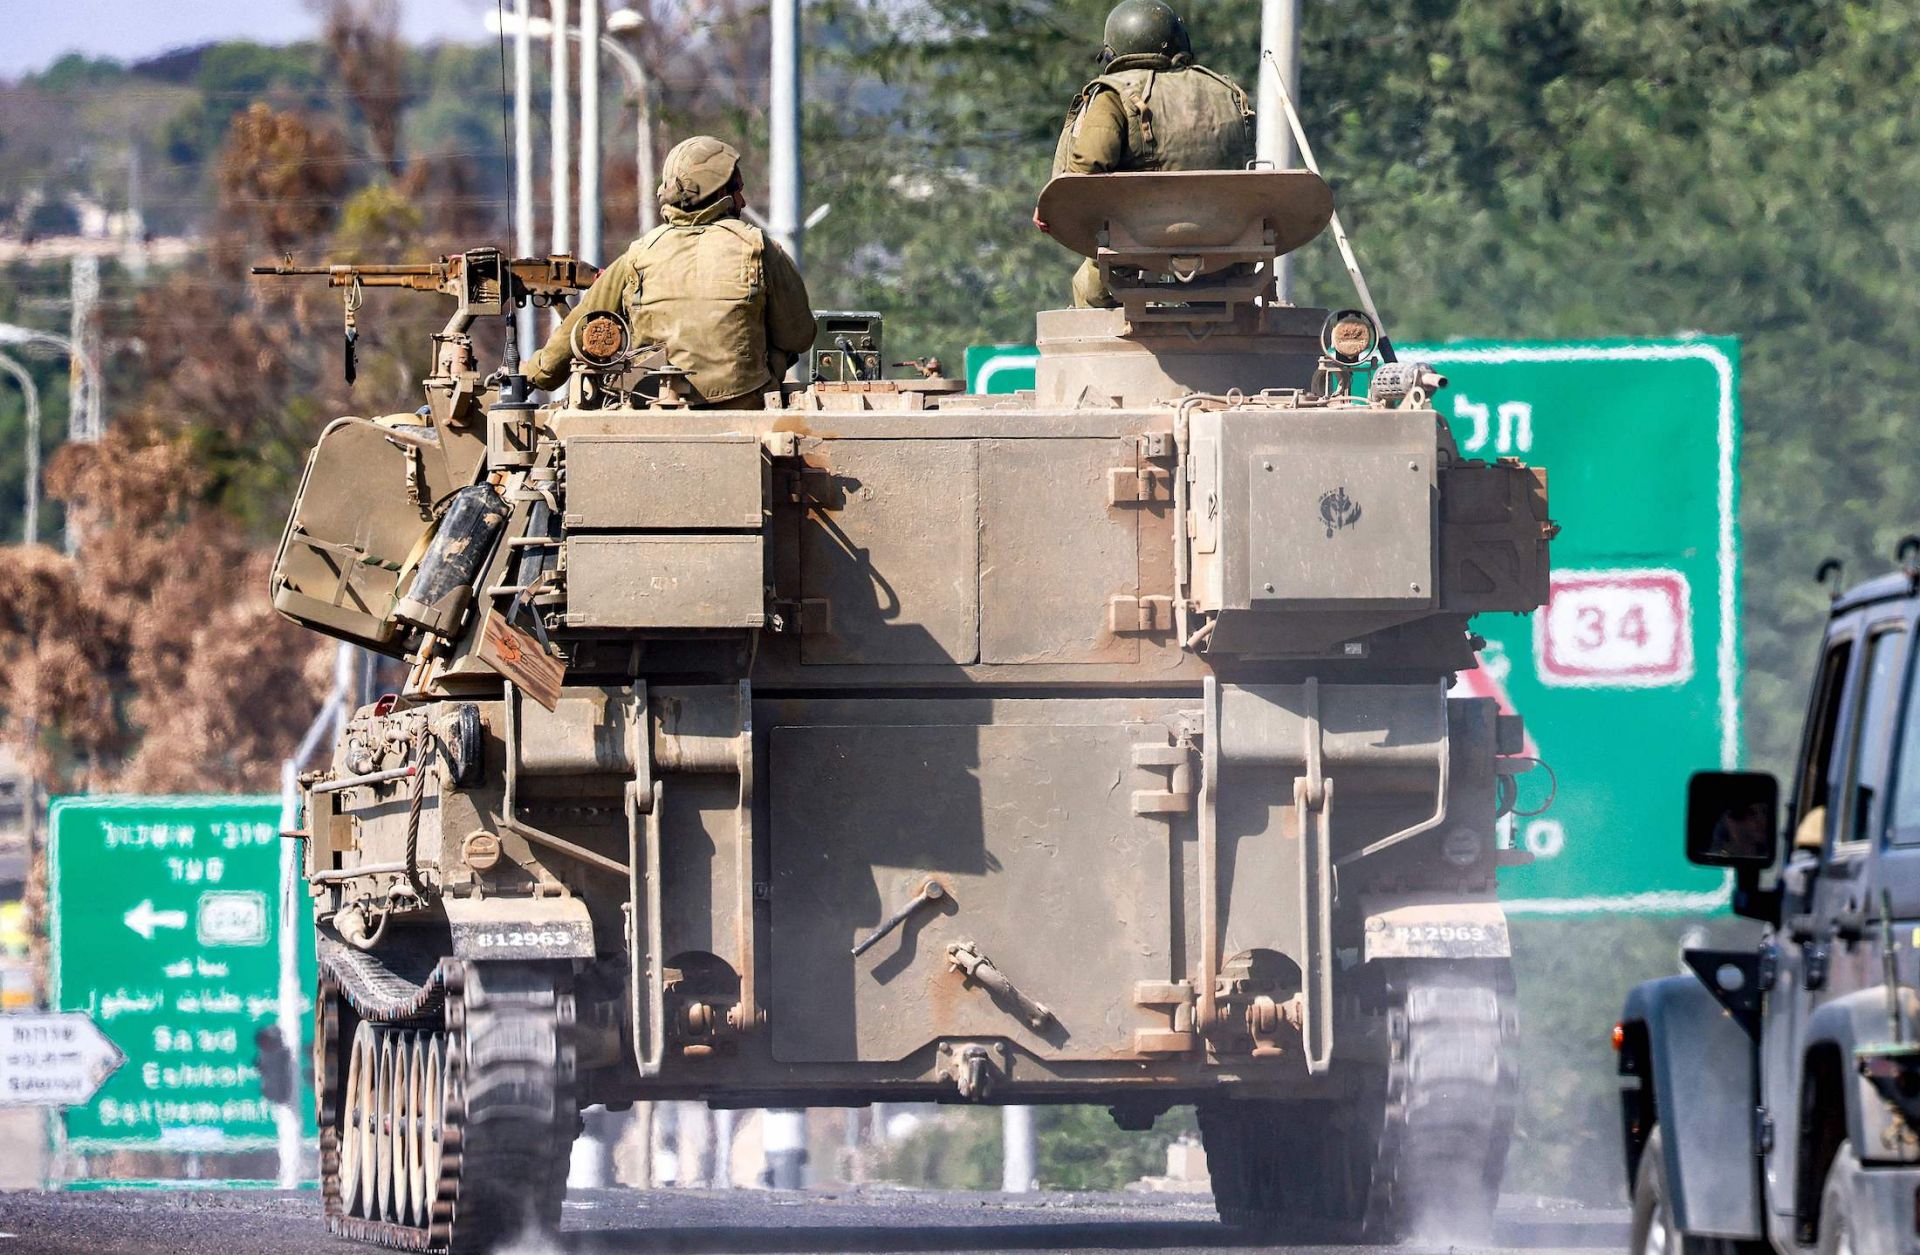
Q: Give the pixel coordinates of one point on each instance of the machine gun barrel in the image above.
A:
(421, 276)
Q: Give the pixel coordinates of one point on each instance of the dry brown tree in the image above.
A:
(364, 38)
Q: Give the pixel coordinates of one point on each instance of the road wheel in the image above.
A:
(1836, 1203)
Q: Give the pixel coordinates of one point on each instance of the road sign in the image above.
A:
(1001, 368)
(53, 1060)
(1630, 679)
(165, 920)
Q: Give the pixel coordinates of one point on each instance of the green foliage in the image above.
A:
(376, 221)
(232, 76)
(1079, 1149)
(75, 71)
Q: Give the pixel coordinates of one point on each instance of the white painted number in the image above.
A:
(1546, 838)
(1616, 629)
(523, 940)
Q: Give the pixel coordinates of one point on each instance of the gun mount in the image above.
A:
(483, 282)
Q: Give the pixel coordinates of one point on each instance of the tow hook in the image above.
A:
(976, 1068)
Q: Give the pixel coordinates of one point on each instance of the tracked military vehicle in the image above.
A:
(1092, 744)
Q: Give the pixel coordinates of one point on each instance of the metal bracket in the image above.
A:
(1175, 999)
(1316, 909)
(1145, 615)
(509, 817)
(1177, 761)
(1139, 485)
(646, 944)
(810, 486)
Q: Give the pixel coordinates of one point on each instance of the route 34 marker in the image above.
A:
(53, 1060)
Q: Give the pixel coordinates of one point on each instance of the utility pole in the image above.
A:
(590, 131)
(523, 245)
(1280, 37)
(134, 234)
(1018, 1150)
(785, 191)
(85, 426)
(562, 144)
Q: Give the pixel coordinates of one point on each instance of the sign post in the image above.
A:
(165, 918)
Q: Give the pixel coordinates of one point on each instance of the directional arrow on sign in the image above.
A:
(143, 919)
(58, 1060)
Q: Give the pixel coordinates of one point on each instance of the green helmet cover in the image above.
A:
(1146, 28)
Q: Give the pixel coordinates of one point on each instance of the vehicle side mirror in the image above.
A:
(1733, 819)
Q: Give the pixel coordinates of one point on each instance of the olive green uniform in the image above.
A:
(1151, 112)
(723, 300)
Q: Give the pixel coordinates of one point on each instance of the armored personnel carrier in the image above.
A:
(1087, 745)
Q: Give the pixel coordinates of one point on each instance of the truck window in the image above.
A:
(1872, 732)
(1816, 752)
(1903, 812)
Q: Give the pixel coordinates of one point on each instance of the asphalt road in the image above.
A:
(697, 1222)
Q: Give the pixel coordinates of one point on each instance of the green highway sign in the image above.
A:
(996, 369)
(1630, 679)
(165, 915)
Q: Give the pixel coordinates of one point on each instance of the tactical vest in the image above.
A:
(1182, 118)
(702, 295)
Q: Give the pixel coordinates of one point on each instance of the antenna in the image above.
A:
(509, 287)
(1339, 232)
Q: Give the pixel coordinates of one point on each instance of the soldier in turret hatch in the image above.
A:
(724, 301)
(1153, 109)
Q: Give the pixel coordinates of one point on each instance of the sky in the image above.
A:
(37, 33)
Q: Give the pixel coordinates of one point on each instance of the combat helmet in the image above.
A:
(1146, 28)
(696, 171)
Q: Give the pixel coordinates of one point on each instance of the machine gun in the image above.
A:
(483, 282)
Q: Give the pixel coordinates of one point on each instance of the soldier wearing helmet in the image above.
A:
(725, 302)
(1153, 109)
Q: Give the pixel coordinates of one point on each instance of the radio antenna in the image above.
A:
(1339, 232)
(508, 283)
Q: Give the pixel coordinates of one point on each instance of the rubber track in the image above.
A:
(1440, 1136)
(510, 1115)
(1452, 1087)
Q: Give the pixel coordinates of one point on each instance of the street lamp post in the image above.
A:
(625, 22)
(1280, 39)
(78, 428)
(525, 327)
(30, 526)
(590, 132)
(622, 23)
(785, 190)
